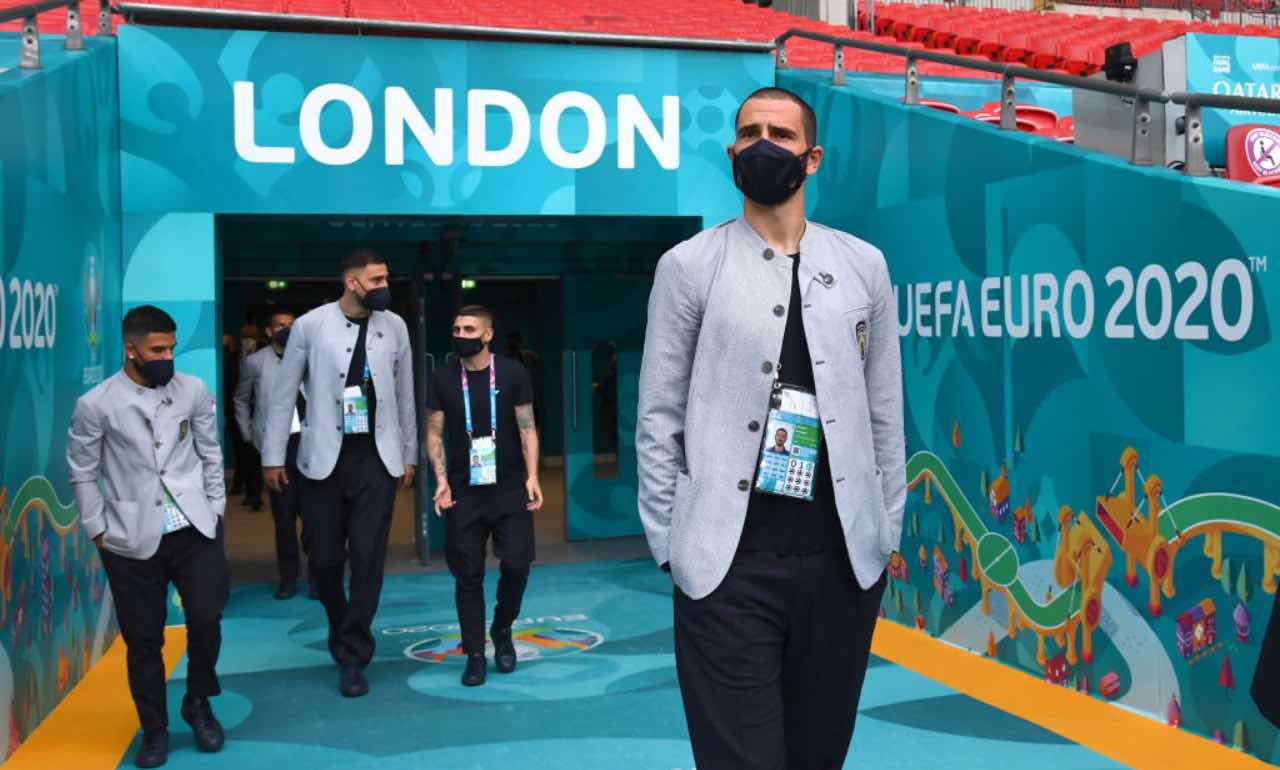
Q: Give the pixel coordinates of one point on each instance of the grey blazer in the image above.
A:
(717, 313)
(316, 360)
(137, 441)
(257, 374)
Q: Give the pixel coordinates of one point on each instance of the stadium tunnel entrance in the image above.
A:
(568, 294)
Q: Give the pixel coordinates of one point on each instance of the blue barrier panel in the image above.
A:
(1089, 365)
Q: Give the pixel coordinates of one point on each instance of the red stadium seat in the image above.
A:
(937, 105)
(1253, 153)
(1043, 118)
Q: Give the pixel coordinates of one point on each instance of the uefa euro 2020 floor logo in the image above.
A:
(534, 638)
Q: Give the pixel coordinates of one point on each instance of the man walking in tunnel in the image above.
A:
(147, 472)
(252, 396)
(486, 482)
(353, 361)
(772, 326)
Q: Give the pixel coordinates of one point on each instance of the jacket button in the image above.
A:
(779, 310)
(744, 485)
(161, 473)
(828, 279)
(157, 445)
(768, 254)
(753, 426)
(767, 367)
(339, 428)
(348, 350)
(160, 502)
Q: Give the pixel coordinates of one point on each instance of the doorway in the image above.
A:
(574, 289)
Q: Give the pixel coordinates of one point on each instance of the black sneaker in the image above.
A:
(504, 650)
(154, 750)
(477, 670)
(287, 589)
(352, 682)
(198, 713)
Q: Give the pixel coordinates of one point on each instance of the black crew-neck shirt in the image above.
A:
(445, 395)
(355, 377)
(786, 525)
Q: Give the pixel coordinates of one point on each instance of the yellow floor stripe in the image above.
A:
(1133, 740)
(95, 723)
(93, 726)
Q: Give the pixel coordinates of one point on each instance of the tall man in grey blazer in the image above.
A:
(761, 323)
(147, 473)
(360, 434)
(253, 394)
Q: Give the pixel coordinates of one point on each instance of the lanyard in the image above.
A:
(493, 398)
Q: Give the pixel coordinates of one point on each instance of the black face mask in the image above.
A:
(375, 299)
(155, 373)
(769, 174)
(466, 347)
(281, 337)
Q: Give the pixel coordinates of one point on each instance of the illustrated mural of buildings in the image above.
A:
(1022, 518)
(942, 576)
(1241, 618)
(1056, 669)
(1081, 561)
(1153, 538)
(998, 495)
(1197, 629)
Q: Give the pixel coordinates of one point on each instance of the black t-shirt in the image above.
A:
(356, 377)
(445, 395)
(783, 524)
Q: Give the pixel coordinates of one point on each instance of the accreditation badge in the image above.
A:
(789, 454)
(484, 462)
(355, 411)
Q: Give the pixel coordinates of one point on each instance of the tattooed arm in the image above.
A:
(529, 443)
(435, 454)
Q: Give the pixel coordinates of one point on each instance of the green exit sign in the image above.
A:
(468, 283)
(275, 284)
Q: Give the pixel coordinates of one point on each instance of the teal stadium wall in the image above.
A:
(59, 319)
(1165, 345)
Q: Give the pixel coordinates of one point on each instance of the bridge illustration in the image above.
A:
(1083, 557)
(1153, 538)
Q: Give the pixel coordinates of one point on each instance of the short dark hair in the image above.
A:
(275, 311)
(808, 117)
(475, 311)
(361, 257)
(144, 320)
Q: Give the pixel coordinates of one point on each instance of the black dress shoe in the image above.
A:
(154, 750)
(199, 714)
(287, 589)
(353, 684)
(477, 670)
(504, 650)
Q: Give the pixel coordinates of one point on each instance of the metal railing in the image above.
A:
(29, 15)
(1141, 152)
